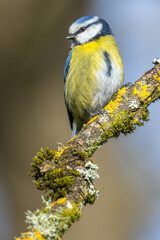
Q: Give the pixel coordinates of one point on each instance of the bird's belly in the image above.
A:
(107, 85)
(80, 87)
(88, 86)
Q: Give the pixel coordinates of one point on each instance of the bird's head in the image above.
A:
(86, 29)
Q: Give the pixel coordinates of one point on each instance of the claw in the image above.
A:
(99, 112)
(126, 85)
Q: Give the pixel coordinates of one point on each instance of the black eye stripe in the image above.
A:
(82, 29)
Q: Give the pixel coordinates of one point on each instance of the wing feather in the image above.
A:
(66, 70)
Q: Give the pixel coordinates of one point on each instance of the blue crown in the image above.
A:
(83, 19)
(106, 30)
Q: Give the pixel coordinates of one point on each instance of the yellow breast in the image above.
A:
(81, 81)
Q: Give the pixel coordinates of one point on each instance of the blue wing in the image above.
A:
(66, 69)
(67, 66)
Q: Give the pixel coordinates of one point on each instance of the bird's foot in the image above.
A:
(99, 112)
(126, 85)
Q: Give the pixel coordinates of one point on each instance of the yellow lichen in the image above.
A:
(59, 201)
(38, 235)
(92, 119)
(157, 77)
(71, 139)
(81, 197)
(143, 93)
(59, 153)
(149, 99)
(34, 234)
(159, 89)
(113, 105)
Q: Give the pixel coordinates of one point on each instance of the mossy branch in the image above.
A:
(69, 174)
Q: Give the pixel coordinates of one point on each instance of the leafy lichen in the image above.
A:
(56, 178)
(124, 122)
(90, 198)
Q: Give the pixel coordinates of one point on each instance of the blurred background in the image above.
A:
(33, 51)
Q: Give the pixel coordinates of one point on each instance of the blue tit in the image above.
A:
(93, 69)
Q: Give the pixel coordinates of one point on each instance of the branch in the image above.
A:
(69, 174)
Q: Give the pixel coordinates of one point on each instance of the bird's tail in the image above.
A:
(74, 129)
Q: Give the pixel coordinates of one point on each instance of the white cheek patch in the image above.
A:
(89, 33)
(76, 26)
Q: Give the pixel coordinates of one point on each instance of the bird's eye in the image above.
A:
(82, 29)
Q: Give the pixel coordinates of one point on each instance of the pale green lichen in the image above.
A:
(132, 104)
(53, 224)
(90, 171)
(92, 147)
(90, 174)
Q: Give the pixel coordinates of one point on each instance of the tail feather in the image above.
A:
(74, 129)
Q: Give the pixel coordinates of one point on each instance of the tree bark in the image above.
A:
(69, 173)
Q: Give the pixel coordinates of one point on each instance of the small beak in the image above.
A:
(70, 36)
